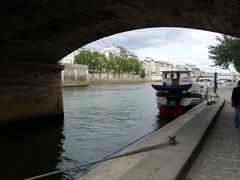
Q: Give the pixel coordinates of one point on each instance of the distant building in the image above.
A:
(113, 50)
(147, 65)
(153, 69)
(69, 59)
(195, 71)
(165, 66)
(118, 50)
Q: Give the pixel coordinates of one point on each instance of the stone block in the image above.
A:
(29, 90)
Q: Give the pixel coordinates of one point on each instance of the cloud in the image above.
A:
(141, 38)
(176, 45)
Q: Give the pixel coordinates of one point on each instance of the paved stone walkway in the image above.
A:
(220, 155)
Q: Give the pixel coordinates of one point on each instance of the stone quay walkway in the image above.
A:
(220, 155)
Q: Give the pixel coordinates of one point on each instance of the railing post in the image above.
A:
(215, 82)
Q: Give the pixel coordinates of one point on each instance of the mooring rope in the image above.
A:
(88, 165)
(104, 159)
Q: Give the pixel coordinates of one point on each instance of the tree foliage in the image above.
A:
(142, 74)
(226, 52)
(93, 60)
(98, 62)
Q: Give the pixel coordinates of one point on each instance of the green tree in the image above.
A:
(124, 65)
(109, 64)
(118, 64)
(93, 59)
(95, 62)
(226, 52)
(134, 65)
(83, 57)
(142, 74)
(114, 64)
(98, 62)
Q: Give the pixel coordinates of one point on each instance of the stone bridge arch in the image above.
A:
(47, 30)
(36, 34)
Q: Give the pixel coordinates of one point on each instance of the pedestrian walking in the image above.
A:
(236, 104)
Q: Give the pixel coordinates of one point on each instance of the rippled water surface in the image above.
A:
(99, 120)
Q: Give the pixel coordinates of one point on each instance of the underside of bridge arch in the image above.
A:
(36, 34)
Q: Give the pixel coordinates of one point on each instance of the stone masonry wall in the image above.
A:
(75, 75)
(30, 90)
(49, 30)
(114, 77)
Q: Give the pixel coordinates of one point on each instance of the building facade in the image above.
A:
(153, 69)
(118, 50)
(69, 59)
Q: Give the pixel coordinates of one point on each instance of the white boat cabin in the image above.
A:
(176, 77)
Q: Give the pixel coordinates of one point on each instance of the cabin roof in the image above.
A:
(176, 70)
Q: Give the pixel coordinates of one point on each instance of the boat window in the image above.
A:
(174, 75)
(168, 75)
(184, 75)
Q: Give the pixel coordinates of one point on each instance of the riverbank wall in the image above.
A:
(75, 75)
(111, 77)
(78, 75)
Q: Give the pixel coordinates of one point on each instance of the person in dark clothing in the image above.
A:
(236, 104)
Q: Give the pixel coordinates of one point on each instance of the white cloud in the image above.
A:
(200, 49)
(176, 45)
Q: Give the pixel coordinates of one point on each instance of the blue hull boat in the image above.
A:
(172, 89)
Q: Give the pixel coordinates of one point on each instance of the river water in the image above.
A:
(99, 120)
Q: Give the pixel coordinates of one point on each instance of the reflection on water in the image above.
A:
(99, 120)
(31, 151)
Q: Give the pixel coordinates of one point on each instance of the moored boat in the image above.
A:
(177, 93)
(172, 89)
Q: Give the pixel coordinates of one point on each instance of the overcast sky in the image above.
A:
(176, 45)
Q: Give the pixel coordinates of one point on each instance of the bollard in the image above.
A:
(172, 140)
